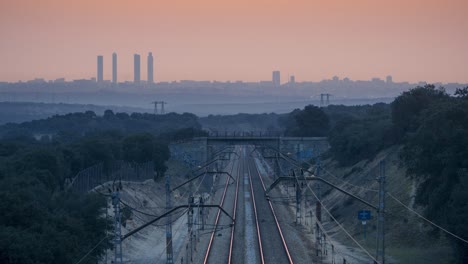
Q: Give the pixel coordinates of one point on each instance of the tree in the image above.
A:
(462, 92)
(407, 107)
(310, 122)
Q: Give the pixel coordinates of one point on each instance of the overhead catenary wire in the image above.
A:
(334, 219)
(347, 182)
(178, 229)
(322, 228)
(427, 220)
(341, 226)
(91, 250)
(405, 206)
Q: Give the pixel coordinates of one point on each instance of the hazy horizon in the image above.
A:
(236, 40)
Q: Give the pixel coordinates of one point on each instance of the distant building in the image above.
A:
(389, 79)
(150, 68)
(100, 68)
(336, 78)
(114, 67)
(276, 78)
(292, 79)
(136, 68)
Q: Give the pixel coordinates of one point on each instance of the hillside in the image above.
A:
(408, 238)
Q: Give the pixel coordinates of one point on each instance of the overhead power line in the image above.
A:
(340, 226)
(427, 220)
(89, 252)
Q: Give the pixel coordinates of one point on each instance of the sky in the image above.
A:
(412, 40)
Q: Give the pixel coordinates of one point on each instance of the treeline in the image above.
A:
(41, 222)
(433, 127)
(76, 125)
(18, 112)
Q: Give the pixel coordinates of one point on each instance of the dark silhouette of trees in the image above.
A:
(41, 222)
(309, 122)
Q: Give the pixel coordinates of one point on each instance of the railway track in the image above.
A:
(256, 236)
(278, 226)
(234, 215)
(270, 251)
(269, 245)
(223, 198)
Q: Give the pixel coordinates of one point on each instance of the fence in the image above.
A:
(98, 174)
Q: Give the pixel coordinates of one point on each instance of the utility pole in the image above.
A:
(162, 107)
(156, 103)
(190, 224)
(155, 107)
(277, 166)
(201, 213)
(318, 209)
(380, 256)
(298, 199)
(318, 215)
(107, 221)
(169, 253)
(117, 227)
(325, 102)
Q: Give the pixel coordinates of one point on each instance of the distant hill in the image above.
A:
(18, 112)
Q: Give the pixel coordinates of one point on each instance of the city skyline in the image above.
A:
(237, 40)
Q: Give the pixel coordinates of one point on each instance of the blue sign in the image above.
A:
(364, 215)
(305, 154)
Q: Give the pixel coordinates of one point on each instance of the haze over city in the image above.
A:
(236, 40)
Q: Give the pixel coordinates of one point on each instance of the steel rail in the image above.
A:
(231, 243)
(262, 258)
(208, 250)
(285, 246)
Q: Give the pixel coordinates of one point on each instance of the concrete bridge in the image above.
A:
(201, 149)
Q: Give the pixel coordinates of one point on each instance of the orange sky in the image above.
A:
(412, 40)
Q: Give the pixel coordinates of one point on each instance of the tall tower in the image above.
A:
(389, 79)
(100, 68)
(150, 68)
(114, 68)
(276, 78)
(136, 68)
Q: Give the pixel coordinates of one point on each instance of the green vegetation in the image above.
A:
(76, 125)
(43, 223)
(432, 127)
(359, 132)
(435, 151)
(309, 122)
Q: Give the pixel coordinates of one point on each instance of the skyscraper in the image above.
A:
(150, 68)
(114, 67)
(389, 79)
(136, 68)
(100, 68)
(276, 78)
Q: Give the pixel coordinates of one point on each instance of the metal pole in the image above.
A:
(190, 225)
(169, 253)
(298, 202)
(117, 227)
(202, 214)
(380, 257)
